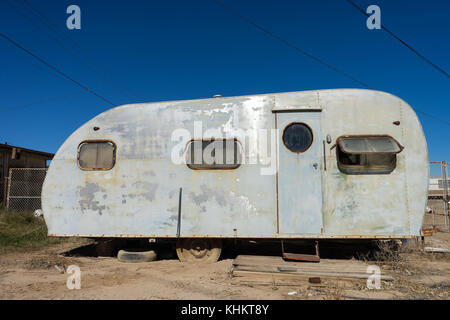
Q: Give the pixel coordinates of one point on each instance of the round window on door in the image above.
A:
(297, 137)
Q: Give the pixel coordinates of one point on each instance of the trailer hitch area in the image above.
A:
(301, 257)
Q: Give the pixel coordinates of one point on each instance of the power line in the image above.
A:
(55, 69)
(432, 117)
(33, 63)
(58, 98)
(80, 59)
(38, 66)
(403, 42)
(123, 87)
(289, 44)
(234, 13)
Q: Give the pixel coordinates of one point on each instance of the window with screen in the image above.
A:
(96, 155)
(214, 154)
(367, 154)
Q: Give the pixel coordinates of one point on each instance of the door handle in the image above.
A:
(315, 165)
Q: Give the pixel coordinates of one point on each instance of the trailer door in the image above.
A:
(299, 176)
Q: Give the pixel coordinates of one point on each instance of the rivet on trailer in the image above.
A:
(326, 164)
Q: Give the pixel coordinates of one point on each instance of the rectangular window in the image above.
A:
(214, 154)
(367, 154)
(96, 155)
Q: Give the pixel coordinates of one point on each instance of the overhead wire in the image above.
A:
(16, 44)
(434, 65)
(289, 44)
(94, 63)
(94, 68)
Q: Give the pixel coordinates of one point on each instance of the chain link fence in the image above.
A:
(437, 214)
(24, 188)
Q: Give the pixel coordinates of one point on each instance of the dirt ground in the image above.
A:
(40, 274)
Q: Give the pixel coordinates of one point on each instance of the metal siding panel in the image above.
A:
(139, 195)
(364, 204)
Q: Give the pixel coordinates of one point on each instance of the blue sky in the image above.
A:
(147, 51)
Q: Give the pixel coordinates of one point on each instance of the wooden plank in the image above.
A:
(265, 277)
(330, 269)
(324, 264)
(279, 260)
(279, 282)
(272, 269)
(309, 274)
(436, 250)
(306, 268)
(253, 278)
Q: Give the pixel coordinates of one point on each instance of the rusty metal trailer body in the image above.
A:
(312, 194)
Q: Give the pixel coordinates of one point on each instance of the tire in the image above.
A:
(199, 250)
(136, 256)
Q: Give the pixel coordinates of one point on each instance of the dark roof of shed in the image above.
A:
(36, 152)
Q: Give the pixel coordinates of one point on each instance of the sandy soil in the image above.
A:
(41, 274)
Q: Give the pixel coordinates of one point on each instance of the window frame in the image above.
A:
(366, 169)
(97, 141)
(194, 166)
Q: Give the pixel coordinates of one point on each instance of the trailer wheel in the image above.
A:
(136, 256)
(202, 250)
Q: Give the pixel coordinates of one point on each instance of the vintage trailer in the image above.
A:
(325, 164)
